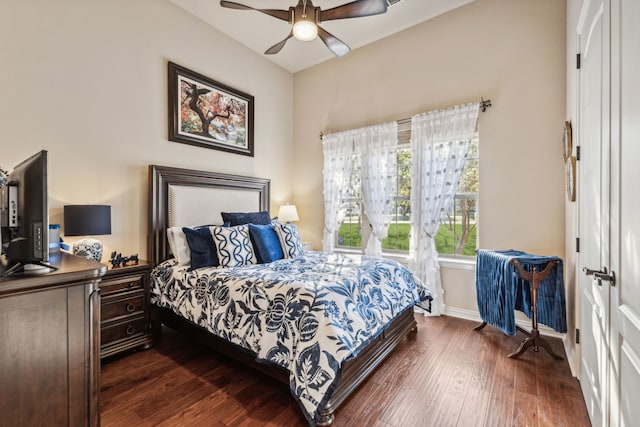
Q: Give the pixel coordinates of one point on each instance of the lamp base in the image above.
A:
(88, 248)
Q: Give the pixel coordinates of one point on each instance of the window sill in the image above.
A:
(446, 262)
(348, 251)
(458, 263)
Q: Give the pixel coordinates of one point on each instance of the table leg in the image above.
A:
(480, 326)
(534, 340)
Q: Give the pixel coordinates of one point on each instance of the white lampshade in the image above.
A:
(288, 213)
(305, 30)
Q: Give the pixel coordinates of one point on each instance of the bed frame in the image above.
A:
(163, 183)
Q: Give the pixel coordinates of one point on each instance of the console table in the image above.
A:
(49, 345)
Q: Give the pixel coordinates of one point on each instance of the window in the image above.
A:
(398, 235)
(350, 231)
(458, 232)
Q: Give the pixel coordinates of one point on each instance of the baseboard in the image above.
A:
(523, 323)
(572, 358)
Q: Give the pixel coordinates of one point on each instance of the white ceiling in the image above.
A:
(258, 31)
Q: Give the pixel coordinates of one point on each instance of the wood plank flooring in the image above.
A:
(445, 375)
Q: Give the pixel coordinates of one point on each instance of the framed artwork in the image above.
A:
(567, 143)
(570, 168)
(209, 114)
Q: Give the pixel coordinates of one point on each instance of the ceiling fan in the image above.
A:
(305, 17)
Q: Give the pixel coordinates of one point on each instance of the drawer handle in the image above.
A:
(130, 330)
(131, 307)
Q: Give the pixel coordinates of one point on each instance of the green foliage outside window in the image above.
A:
(349, 236)
(398, 239)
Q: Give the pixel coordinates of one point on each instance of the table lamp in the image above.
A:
(288, 213)
(87, 220)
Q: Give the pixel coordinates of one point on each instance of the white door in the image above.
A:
(624, 371)
(593, 199)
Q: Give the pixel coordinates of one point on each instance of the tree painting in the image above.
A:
(209, 113)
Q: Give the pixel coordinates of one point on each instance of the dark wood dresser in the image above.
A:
(124, 309)
(49, 345)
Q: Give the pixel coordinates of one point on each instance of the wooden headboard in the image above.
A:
(184, 197)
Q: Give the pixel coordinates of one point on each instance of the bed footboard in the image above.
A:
(355, 371)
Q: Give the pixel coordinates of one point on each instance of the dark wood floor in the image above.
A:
(445, 375)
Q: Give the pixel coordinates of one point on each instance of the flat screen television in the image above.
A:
(25, 215)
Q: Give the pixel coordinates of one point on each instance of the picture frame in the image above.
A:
(567, 141)
(210, 114)
(570, 170)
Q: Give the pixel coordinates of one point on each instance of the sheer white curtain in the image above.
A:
(338, 161)
(439, 143)
(378, 148)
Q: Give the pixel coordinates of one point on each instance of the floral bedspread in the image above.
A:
(306, 314)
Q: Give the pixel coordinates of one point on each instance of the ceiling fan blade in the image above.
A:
(278, 46)
(283, 15)
(354, 9)
(335, 45)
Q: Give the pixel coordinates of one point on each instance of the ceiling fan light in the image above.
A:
(305, 30)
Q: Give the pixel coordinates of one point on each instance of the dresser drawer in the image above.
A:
(127, 305)
(129, 283)
(129, 329)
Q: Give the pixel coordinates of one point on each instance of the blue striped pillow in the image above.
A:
(233, 246)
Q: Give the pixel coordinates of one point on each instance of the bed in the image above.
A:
(285, 318)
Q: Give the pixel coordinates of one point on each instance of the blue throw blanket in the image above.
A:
(500, 290)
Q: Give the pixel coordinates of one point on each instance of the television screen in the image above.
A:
(25, 213)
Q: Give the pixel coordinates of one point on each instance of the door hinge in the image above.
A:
(577, 244)
(578, 152)
(578, 61)
(577, 336)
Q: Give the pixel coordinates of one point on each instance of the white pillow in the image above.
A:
(233, 246)
(178, 245)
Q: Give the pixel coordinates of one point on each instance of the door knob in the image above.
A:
(601, 275)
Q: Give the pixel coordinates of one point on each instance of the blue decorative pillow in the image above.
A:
(233, 245)
(289, 239)
(266, 243)
(241, 218)
(202, 247)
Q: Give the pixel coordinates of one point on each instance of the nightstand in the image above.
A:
(124, 309)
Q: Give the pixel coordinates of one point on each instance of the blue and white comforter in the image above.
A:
(306, 314)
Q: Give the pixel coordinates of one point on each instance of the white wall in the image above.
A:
(509, 51)
(87, 81)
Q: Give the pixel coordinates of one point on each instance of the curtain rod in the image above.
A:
(484, 104)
